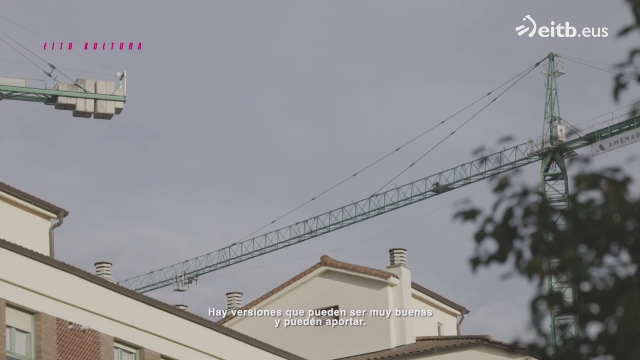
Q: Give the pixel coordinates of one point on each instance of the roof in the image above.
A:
(330, 262)
(440, 298)
(436, 344)
(145, 299)
(44, 205)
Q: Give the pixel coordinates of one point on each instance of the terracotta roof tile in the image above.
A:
(328, 261)
(436, 344)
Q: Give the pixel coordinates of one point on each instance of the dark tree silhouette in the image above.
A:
(629, 70)
(599, 248)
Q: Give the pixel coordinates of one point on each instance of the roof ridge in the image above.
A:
(436, 344)
(454, 337)
(273, 291)
(329, 261)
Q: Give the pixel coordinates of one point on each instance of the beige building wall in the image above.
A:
(3, 334)
(428, 326)
(56, 340)
(329, 288)
(23, 224)
(40, 288)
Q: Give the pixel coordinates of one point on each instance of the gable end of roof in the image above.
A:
(328, 261)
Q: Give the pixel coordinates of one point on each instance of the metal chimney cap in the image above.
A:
(234, 300)
(102, 263)
(397, 256)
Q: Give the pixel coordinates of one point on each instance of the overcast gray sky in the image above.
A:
(239, 111)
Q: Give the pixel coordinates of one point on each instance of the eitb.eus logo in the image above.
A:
(524, 28)
(560, 30)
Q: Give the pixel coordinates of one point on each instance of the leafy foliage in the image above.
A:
(599, 248)
(628, 69)
(597, 245)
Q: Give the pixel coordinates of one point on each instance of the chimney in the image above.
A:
(234, 300)
(398, 257)
(103, 270)
(182, 307)
(402, 298)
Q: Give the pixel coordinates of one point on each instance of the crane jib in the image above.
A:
(615, 142)
(487, 166)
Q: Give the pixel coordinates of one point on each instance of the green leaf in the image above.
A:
(468, 215)
(625, 30)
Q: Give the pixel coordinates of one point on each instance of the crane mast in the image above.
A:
(554, 183)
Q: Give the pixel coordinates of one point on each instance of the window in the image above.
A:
(19, 335)
(440, 329)
(123, 352)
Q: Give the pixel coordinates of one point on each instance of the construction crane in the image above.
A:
(554, 183)
(84, 97)
(551, 149)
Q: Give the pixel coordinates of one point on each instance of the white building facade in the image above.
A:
(332, 284)
(50, 310)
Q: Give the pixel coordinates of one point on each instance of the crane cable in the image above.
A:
(391, 153)
(573, 58)
(43, 70)
(459, 127)
(33, 32)
(401, 225)
(597, 68)
(385, 231)
(67, 69)
(18, 51)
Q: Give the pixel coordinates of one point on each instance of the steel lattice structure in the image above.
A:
(554, 183)
(552, 149)
(487, 166)
(49, 96)
(339, 218)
